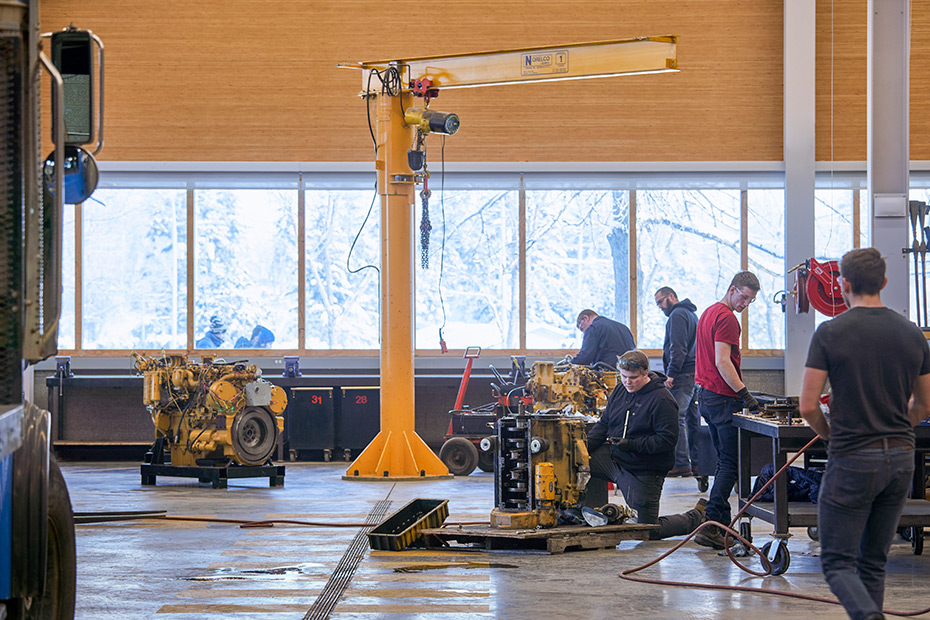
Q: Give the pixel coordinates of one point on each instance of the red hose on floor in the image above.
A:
(728, 530)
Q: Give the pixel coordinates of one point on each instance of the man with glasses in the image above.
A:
(633, 445)
(721, 392)
(678, 363)
(875, 360)
(604, 340)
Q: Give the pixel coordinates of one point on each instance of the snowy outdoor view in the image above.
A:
(577, 254)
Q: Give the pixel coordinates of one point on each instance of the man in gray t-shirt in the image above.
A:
(875, 360)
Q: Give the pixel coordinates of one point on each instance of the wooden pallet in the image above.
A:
(552, 540)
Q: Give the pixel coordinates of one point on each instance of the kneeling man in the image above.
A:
(633, 444)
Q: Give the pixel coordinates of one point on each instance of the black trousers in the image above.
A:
(642, 493)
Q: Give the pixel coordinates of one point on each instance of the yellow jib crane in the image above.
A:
(397, 452)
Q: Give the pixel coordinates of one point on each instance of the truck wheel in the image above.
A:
(486, 461)
(459, 455)
(57, 602)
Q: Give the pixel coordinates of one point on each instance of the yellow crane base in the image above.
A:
(399, 455)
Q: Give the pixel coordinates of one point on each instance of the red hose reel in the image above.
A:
(817, 284)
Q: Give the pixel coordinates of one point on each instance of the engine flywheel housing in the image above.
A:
(254, 435)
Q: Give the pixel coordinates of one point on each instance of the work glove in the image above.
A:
(621, 443)
(749, 401)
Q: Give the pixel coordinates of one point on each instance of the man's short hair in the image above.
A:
(584, 313)
(864, 269)
(665, 291)
(747, 279)
(633, 360)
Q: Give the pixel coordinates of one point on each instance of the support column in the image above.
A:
(397, 452)
(799, 152)
(889, 38)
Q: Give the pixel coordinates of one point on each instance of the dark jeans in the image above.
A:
(861, 499)
(642, 493)
(686, 452)
(717, 410)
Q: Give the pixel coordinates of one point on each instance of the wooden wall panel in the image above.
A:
(257, 81)
(842, 37)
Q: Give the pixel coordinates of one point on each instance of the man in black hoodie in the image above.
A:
(633, 444)
(678, 362)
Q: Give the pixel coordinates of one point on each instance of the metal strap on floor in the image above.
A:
(342, 575)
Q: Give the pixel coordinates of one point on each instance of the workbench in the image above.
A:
(786, 439)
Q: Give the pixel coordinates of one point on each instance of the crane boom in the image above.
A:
(397, 452)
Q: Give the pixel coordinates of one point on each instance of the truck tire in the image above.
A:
(459, 455)
(57, 602)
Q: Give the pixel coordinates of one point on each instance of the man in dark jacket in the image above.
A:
(604, 340)
(633, 444)
(678, 362)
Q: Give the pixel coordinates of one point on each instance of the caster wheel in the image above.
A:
(917, 539)
(782, 557)
(813, 533)
(703, 484)
(745, 530)
(292, 455)
(327, 456)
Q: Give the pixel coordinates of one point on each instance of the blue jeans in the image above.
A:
(861, 499)
(717, 410)
(686, 451)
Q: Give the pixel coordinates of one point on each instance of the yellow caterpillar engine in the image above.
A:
(543, 468)
(212, 411)
(557, 386)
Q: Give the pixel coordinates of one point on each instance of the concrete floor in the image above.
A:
(173, 569)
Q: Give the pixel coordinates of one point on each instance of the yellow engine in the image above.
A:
(583, 389)
(543, 468)
(212, 411)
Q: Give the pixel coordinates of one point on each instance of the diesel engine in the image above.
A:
(212, 411)
(582, 389)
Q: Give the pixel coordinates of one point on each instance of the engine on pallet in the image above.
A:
(559, 386)
(542, 469)
(211, 411)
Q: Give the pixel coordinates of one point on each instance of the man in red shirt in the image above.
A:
(721, 392)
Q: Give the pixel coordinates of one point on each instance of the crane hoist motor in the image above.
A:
(212, 411)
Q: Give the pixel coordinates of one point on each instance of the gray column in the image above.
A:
(888, 150)
(799, 135)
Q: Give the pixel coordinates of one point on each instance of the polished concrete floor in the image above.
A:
(184, 569)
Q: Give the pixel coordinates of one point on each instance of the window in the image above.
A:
(766, 238)
(66, 322)
(688, 240)
(577, 257)
(245, 252)
(134, 261)
(342, 307)
(473, 246)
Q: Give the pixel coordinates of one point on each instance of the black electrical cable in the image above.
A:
(357, 235)
(442, 210)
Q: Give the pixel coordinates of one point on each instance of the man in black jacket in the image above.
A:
(633, 444)
(678, 362)
(604, 340)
